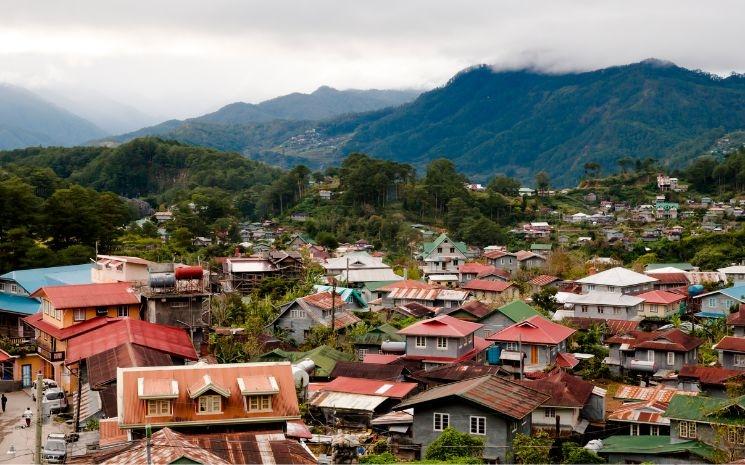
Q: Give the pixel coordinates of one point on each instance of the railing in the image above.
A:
(58, 356)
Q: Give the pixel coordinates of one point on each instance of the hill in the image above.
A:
(27, 120)
(521, 122)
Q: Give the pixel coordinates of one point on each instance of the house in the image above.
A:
(372, 341)
(17, 286)
(120, 268)
(300, 241)
(442, 339)
(244, 274)
(734, 273)
(708, 380)
(357, 268)
(493, 319)
(731, 352)
(299, 317)
(544, 280)
(352, 402)
(648, 352)
(212, 398)
(573, 403)
(661, 304)
(654, 449)
(409, 291)
(643, 409)
(666, 210)
(492, 291)
(350, 296)
(531, 345)
(713, 421)
(68, 311)
(324, 194)
(736, 322)
(324, 359)
(618, 279)
(542, 249)
(603, 305)
(669, 281)
(526, 192)
(719, 303)
(300, 216)
(472, 270)
(443, 255)
(490, 407)
(503, 260)
(530, 260)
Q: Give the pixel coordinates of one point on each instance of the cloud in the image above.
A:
(181, 58)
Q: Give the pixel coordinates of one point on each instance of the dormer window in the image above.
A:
(158, 394)
(257, 392)
(158, 408)
(208, 395)
(262, 403)
(209, 404)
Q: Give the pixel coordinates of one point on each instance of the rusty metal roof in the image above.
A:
(492, 392)
(264, 448)
(372, 387)
(367, 370)
(657, 393)
(650, 412)
(166, 446)
(89, 295)
(102, 366)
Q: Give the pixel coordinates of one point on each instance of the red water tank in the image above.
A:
(189, 272)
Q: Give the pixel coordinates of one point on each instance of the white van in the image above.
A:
(54, 401)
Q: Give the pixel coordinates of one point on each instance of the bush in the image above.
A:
(452, 444)
(385, 457)
(531, 449)
(574, 453)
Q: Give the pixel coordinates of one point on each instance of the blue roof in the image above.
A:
(18, 304)
(347, 294)
(710, 314)
(736, 292)
(33, 279)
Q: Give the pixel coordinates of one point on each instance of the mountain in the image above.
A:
(521, 122)
(325, 102)
(27, 119)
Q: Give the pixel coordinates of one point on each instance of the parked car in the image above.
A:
(55, 449)
(54, 401)
(47, 384)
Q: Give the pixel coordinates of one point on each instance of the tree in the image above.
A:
(574, 453)
(545, 299)
(326, 239)
(452, 444)
(504, 185)
(443, 183)
(592, 169)
(542, 181)
(531, 449)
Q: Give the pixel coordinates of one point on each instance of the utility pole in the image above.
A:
(148, 435)
(333, 310)
(39, 394)
(75, 425)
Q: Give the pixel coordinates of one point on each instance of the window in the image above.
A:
(439, 250)
(452, 250)
(209, 404)
(297, 313)
(634, 429)
(590, 287)
(687, 429)
(654, 430)
(712, 302)
(441, 421)
(600, 309)
(78, 315)
(611, 289)
(442, 343)
(511, 346)
(261, 403)
(671, 358)
(549, 412)
(584, 309)
(650, 355)
(421, 342)
(158, 407)
(652, 309)
(478, 425)
(740, 360)
(122, 311)
(14, 289)
(616, 311)
(736, 435)
(361, 353)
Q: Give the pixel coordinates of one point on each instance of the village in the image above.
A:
(374, 363)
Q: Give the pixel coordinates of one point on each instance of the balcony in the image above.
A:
(58, 356)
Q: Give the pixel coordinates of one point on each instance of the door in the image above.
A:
(534, 355)
(26, 375)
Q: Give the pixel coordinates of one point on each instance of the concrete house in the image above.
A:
(604, 305)
(530, 260)
(648, 352)
(442, 339)
(503, 260)
(661, 304)
(120, 268)
(719, 303)
(443, 255)
(490, 407)
(618, 279)
(732, 348)
(734, 273)
(300, 316)
(531, 345)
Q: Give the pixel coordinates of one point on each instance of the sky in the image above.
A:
(175, 59)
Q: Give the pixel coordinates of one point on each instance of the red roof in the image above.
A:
(406, 284)
(473, 307)
(670, 278)
(497, 254)
(501, 272)
(89, 295)
(382, 359)
(4, 356)
(673, 340)
(442, 325)
(565, 390)
(475, 267)
(612, 327)
(370, 387)
(661, 297)
(168, 339)
(524, 255)
(61, 334)
(544, 280)
(737, 318)
(534, 330)
(708, 375)
(486, 285)
(731, 343)
(566, 360)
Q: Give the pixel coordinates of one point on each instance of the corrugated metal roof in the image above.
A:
(442, 325)
(535, 330)
(617, 276)
(492, 392)
(20, 304)
(708, 375)
(263, 448)
(372, 387)
(347, 401)
(33, 279)
(89, 295)
(62, 334)
(487, 285)
(102, 366)
(165, 446)
(656, 394)
(641, 412)
(367, 370)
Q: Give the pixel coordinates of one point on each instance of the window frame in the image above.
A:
(297, 313)
(209, 403)
(654, 430)
(444, 420)
(263, 403)
(76, 313)
(157, 410)
(480, 423)
(634, 429)
(670, 359)
(423, 339)
(549, 412)
(120, 311)
(512, 346)
(440, 346)
(739, 360)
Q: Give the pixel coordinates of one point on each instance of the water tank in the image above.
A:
(492, 355)
(161, 281)
(189, 272)
(393, 346)
(302, 378)
(307, 365)
(696, 289)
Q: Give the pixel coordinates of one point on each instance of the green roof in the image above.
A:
(541, 246)
(517, 311)
(707, 409)
(667, 205)
(680, 266)
(654, 445)
(428, 247)
(324, 357)
(373, 286)
(378, 335)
